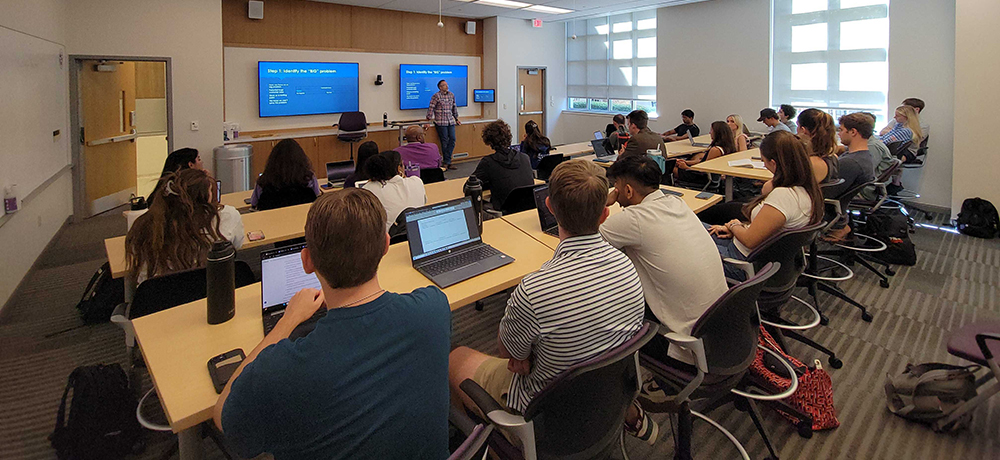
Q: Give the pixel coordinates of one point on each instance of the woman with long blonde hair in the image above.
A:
(735, 123)
(904, 127)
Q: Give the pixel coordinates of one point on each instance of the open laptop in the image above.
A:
(281, 276)
(337, 172)
(445, 244)
(603, 155)
(598, 135)
(545, 217)
(696, 143)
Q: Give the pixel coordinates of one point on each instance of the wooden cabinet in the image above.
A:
(261, 150)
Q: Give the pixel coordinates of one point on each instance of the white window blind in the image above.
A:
(611, 63)
(831, 55)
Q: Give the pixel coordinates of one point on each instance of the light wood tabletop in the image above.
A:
(529, 222)
(575, 149)
(237, 200)
(721, 166)
(178, 342)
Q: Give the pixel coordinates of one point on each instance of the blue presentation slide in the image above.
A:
(307, 88)
(418, 82)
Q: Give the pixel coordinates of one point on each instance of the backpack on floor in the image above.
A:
(103, 293)
(891, 226)
(929, 393)
(978, 218)
(102, 422)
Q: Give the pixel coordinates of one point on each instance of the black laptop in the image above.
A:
(445, 244)
(337, 172)
(545, 217)
(281, 276)
(603, 155)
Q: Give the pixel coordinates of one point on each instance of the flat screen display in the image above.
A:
(483, 95)
(306, 88)
(418, 82)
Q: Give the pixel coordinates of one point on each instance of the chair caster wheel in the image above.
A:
(889, 271)
(823, 319)
(884, 283)
(866, 317)
(835, 363)
(805, 429)
(479, 305)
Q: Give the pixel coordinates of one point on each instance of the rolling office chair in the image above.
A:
(547, 164)
(579, 414)
(476, 435)
(858, 249)
(352, 127)
(397, 231)
(431, 175)
(287, 196)
(978, 342)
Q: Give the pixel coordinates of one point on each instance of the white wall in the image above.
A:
(187, 31)
(26, 233)
(242, 97)
(977, 65)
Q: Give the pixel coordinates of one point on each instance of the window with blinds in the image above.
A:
(611, 63)
(831, 55)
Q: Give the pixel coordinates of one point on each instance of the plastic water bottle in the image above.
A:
(10, 199)
(474, 188)
(220, 282)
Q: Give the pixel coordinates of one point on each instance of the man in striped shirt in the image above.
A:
(443, 111)
(583, 302)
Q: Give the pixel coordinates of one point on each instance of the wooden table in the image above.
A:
(237, 200)
(576, 149)
(721, 166)
(529, 223)
(177, 343)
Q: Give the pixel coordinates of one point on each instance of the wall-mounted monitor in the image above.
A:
(306, 88)
(418, 82)
(483, 95)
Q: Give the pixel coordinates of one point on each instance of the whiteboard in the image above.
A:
(34, 102)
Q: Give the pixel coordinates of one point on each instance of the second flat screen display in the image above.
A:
(418, 82)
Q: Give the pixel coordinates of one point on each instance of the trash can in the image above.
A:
(232, 166)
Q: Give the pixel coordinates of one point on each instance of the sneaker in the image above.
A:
(651, 390)
(647, 429)
(893, 189)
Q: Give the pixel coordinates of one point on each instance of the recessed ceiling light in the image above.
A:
(548, 9)
(504, 3)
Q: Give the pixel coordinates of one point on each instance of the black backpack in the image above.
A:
(102, 422)
(978, 218)
(891, 227)
(103, 293)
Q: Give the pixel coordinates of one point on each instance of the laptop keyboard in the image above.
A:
(272, 320)
(459, 260)
(554, 231)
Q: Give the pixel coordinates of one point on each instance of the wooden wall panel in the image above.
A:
(301, 24)
(150, 80)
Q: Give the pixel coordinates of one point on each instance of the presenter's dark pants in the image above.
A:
(447, 136)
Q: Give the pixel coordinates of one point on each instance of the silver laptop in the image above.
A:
(545, 217)
(696, 143)
(603, 155)
(281, 276)
(337, 172)
(445, 244)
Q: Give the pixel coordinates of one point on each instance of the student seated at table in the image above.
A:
(505, 169)
(534, 144)
(178, 230)
(770, 119)
(855, 166)
(905, 126)
(641, 137)
(366, 150)
(786, 115)
(881, 157)
(740, 132)
(686, 129)
(386, 181)
(611, 141)
(816, 128)
(417, 154)
(676, 260)
(722, 143)
(371, 380)
(588, 290)
(288, 178)
(185, 158)
(794, 202)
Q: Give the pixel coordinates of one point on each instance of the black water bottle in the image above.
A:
(474, 188)
(221, 282)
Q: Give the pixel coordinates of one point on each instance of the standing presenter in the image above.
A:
(443, 111)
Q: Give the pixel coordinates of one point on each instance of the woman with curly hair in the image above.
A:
(505, 169)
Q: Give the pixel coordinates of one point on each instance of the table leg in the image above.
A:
(189, 443)
(729, 188)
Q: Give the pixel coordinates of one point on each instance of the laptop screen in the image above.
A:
(440, 227)
(339, 170)
(282, 275)
(545, 217)
(598, 135)
(599, 150)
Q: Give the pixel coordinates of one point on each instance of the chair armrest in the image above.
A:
(696, 347)
(784, 394)
(118, 317)
(981, 339)
(747, 267)
(516, 425)
(492, 212)
(835, 204)
(795, 327)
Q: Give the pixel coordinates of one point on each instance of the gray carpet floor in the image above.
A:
(954, 283)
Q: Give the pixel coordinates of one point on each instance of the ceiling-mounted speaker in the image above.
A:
(255, 10)
(470, 27)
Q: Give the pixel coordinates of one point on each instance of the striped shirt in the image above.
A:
(583, 302)
(898, 133)
(442, 109)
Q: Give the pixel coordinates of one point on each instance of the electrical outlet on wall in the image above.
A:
(194, 125)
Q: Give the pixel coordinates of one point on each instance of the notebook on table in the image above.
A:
(603, 155)
(545, 217)
(445, 244)
(281, 276)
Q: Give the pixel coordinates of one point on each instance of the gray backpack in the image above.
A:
(929, 393)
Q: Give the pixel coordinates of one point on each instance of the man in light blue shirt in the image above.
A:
(770, 118)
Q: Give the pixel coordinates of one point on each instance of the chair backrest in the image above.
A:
(520, 199)
(288, 196)
(168, 291)
(784, 248)
(548, 163)
(899, 149)
(887, 174)
(353, 121)
(397, 231)
(729, 328)
(580, 413)
(431, 175)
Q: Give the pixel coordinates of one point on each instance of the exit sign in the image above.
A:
(536, 23)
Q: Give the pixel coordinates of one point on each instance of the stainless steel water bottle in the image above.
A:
(474, 188)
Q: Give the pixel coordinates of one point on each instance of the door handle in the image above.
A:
(531, 113)
(111, 140)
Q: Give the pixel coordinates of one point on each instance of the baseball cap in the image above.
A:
(767, 113)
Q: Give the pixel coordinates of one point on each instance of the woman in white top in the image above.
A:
(182, 223)
(740, 136)
(387, 180)
(795, 201)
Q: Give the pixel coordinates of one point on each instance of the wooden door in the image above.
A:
(107, 112)
(530, 100)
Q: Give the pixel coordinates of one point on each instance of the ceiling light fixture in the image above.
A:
(548, 9)
(505, 3)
